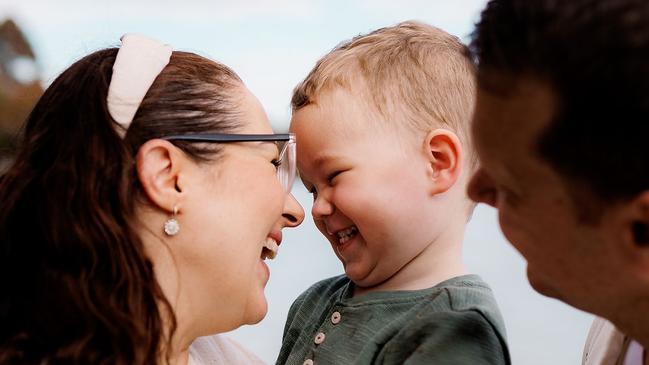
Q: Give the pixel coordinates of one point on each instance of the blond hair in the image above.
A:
(416, 70)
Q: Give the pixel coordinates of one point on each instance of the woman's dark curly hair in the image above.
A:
(77, 286)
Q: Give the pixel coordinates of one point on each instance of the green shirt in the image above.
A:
(454, 322)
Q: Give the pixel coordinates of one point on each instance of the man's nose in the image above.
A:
(481, 189)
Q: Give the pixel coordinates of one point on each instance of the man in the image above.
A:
(561, 127)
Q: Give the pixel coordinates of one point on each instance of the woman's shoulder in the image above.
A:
(219, 349)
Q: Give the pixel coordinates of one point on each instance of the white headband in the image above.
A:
(139, 61)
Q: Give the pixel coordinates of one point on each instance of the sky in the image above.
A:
(272, 45)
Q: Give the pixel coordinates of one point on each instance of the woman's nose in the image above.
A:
(293, 212)
(481, 189)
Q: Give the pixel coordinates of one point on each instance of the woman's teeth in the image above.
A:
(346, 234)
(270, 249)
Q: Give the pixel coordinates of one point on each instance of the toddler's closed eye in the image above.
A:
(333, 175)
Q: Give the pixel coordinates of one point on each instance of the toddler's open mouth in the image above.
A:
(346, 234)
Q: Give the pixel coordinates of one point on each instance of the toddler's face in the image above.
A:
(369, 186)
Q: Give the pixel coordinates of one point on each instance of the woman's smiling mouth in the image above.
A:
(271, 246)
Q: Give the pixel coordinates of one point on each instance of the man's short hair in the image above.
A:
(594, 55)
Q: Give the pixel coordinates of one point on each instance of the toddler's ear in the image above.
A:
(444, 152)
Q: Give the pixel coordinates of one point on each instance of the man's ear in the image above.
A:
(444, 153)
(638, 221)
(635, 234)
(159, 166)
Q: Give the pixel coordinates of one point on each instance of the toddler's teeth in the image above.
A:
(347, 234)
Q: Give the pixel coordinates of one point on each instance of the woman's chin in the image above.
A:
(257, 311)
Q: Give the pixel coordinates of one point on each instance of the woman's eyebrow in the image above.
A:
(267, 145)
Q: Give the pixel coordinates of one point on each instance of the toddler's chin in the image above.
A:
(362, 279)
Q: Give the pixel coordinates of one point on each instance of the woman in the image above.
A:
(138, 212)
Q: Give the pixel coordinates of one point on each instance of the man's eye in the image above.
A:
(313, 192)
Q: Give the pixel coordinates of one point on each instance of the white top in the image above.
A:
(218, 349)
(634, 355)
(606, 345)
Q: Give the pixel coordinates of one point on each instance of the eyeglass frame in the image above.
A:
(289, 138)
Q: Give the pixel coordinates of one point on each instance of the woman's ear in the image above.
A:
(444, 153)
(159, 166)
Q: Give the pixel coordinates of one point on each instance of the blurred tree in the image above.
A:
(20, 86)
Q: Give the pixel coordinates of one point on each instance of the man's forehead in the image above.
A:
(515, 117)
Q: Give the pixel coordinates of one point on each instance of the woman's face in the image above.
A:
(236, 204)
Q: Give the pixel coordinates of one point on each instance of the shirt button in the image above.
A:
(308, 362)
(319, 338)
(335, 318)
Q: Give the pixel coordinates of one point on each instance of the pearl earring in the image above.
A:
(172, 227)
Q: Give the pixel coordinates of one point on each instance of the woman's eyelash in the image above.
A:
(276, 162)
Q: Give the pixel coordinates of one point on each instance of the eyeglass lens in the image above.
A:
(286, 170)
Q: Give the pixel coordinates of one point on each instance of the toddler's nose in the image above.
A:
(322, 207)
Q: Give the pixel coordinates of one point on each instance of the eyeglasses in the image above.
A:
(285, 143)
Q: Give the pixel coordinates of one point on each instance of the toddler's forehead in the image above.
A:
(341, 109)
(352, 115)
(325, 132)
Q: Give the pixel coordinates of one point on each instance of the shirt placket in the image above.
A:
(326, 329)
